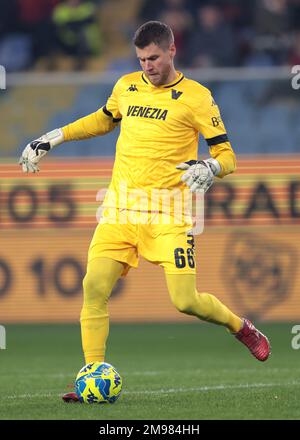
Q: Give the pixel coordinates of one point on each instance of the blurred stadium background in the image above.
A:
(62, 59)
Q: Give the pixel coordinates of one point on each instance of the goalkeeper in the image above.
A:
(161, 114)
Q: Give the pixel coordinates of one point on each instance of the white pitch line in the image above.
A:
(73, 374)
(150, 373)
(169, 391)
(213, 388)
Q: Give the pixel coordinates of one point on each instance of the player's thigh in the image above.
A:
(171, 247)
(115, 241)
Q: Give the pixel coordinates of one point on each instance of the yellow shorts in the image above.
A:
(167, 245)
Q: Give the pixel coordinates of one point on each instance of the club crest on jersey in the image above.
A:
(175, 94)
(147, 112)
(132, 88)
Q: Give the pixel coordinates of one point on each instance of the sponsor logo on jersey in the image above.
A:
(216, 120)
(132, 88)
(175, 94)
(147, 112)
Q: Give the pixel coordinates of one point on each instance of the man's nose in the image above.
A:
(148, 65)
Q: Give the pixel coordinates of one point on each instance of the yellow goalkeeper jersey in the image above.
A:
(159, 128)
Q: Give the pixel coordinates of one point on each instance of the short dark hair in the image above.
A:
(153, 32)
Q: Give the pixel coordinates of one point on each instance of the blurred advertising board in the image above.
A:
(247, 255)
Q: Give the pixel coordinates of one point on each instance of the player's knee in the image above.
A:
(184, 303)
(95, 288)
(185, 307)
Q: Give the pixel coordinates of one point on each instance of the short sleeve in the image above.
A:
(111, 107)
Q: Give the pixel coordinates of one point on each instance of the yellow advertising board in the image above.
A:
(247, 255)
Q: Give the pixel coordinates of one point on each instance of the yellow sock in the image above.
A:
(102, 274)
(217, 312)
(94, 332)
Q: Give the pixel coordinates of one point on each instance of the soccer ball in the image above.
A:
(98, 382)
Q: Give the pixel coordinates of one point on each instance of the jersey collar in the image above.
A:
(178, 79)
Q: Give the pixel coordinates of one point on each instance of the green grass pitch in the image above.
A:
(170, 371)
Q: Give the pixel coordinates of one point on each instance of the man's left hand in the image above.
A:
(199, 174)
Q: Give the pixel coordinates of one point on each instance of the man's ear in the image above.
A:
(172, 50)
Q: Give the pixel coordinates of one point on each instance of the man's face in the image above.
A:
(156, 62)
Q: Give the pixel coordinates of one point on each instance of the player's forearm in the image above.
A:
(224, 154)
(95, 124)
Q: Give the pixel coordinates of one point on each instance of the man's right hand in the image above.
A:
(35, 150)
